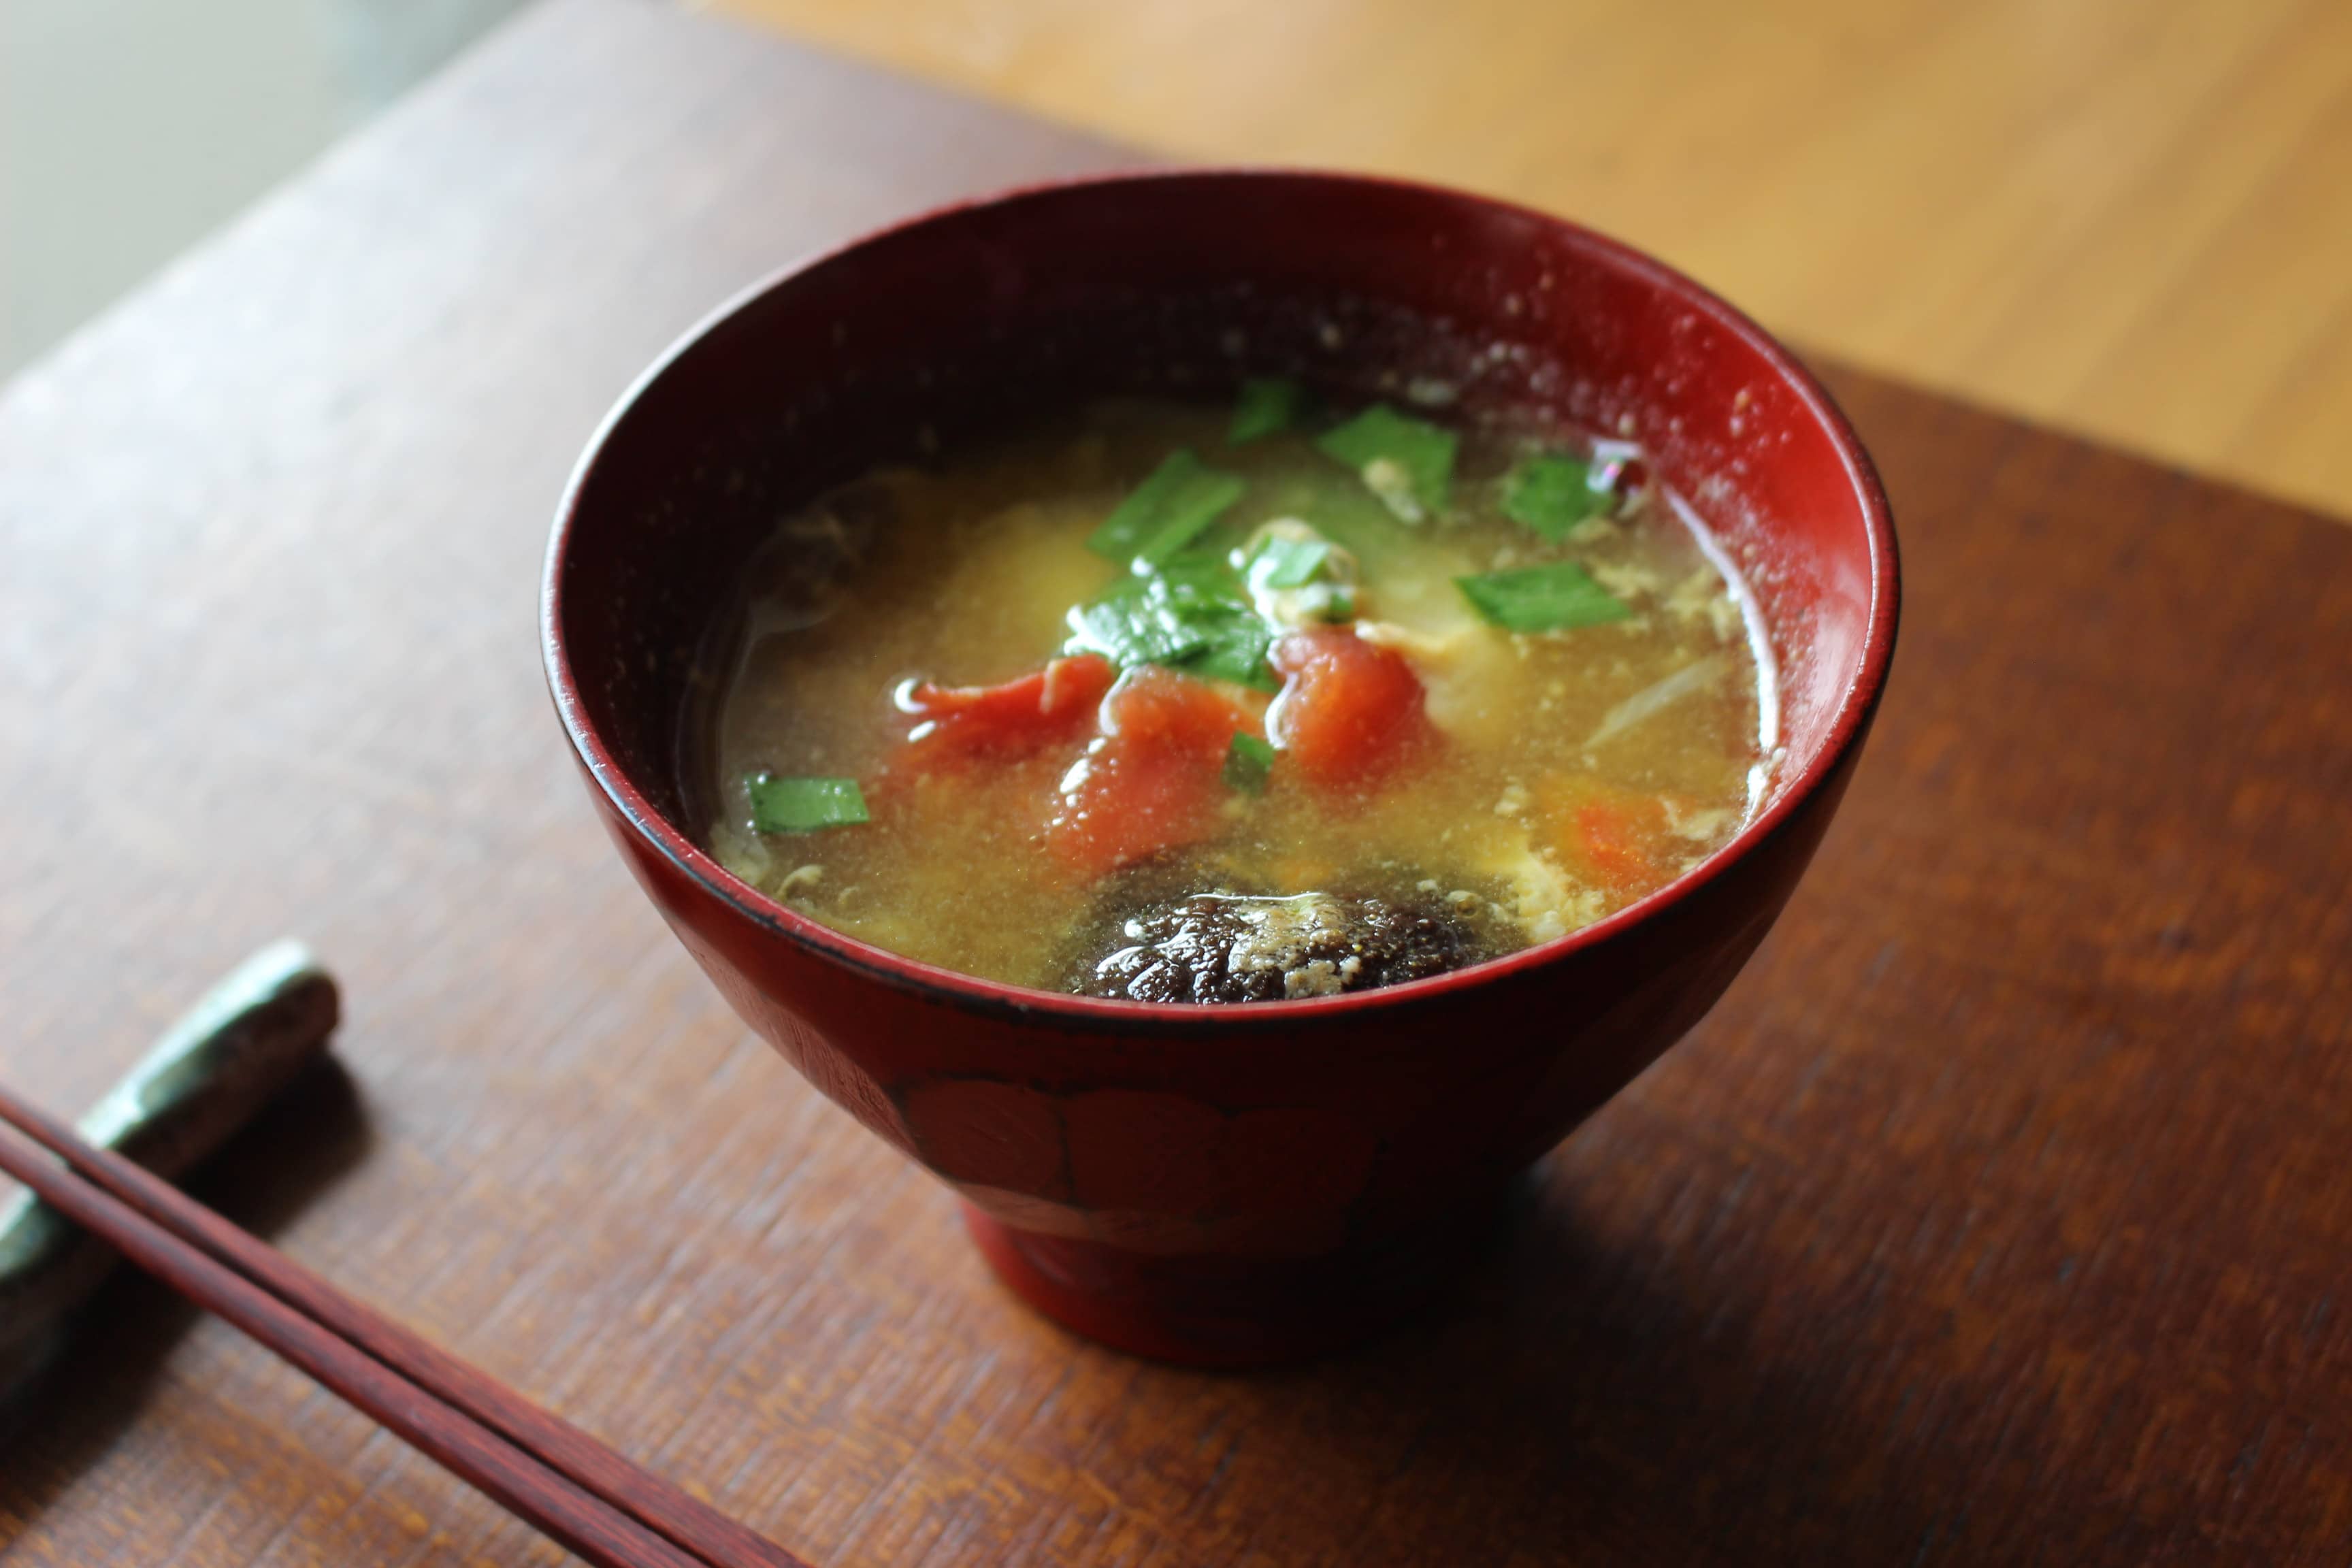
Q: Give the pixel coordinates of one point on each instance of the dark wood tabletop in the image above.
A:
(2002, 1213)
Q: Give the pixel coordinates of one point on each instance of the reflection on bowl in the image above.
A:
(1211, 1184)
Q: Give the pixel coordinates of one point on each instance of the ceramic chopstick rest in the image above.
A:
(209, 1075)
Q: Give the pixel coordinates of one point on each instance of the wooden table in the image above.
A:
(2130, 218)
(2001, 1213)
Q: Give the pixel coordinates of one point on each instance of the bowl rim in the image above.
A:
(1031, 1007)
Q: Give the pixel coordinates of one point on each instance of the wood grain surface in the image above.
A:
(1998, 1214)
(2127, 218)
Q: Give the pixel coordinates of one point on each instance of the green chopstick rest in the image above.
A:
(211, 1072)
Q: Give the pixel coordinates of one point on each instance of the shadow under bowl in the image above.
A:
(1237, 1185)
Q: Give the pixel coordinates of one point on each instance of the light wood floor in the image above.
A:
(2127, 218)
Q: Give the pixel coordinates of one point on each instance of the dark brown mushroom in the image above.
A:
(1226, 947)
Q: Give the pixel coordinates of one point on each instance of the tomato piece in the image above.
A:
(1617, 839)
(1611, 844)
(1163, 710)
(1049, 706)
(1350, 713)
(1154, 779)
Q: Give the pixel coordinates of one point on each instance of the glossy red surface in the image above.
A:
(1235, 1185)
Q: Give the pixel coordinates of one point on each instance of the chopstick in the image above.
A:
(537, 1466)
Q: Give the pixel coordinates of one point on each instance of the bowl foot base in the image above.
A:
(1232, 1311)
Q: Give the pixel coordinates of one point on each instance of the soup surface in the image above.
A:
(1175, 702)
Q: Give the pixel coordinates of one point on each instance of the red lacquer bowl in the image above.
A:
(1220, 1185)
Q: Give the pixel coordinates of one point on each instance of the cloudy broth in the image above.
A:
(1174, 701)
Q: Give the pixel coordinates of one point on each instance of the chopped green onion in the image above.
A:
(1548, 598)
(1181, 498)
(1265, 406)
(1407, 462)
(1248, 761)
(1281, 562)
(1198, 578)
(1238, 642)
(1551, 493)
(1132, 625)
(1192, 615)
(803, 805)
(1208, 600)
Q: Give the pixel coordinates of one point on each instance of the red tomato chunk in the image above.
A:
(1154, 779)
(1350, 713)
(1051, 707)
(1606, 834)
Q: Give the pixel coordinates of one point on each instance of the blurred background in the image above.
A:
(2130, 218)
(129, 129)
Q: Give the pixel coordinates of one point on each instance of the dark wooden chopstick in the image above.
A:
(517, 1482)
(536, 1465)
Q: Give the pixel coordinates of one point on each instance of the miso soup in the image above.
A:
(1173, 703)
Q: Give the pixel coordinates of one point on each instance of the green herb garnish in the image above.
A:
(1248, 761)
(1551, 493)
(1206, 596)
(1181, 499)
(1131, 624)
(1407, 462)
(1238, 642)
(1265, 406)
(804, 806)
(1548, 598)
(1281, 562)
(1193, 614)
